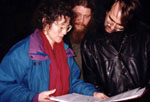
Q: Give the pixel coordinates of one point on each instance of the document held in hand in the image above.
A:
(74, 97)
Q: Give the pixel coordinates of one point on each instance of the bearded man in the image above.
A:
(82, 22)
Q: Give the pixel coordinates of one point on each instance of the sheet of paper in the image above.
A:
(131, 94)
(75, 98)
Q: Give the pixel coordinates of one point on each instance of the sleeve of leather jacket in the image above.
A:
(89, 65)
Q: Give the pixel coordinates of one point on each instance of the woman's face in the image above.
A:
(56, 31)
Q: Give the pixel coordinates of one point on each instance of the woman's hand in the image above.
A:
(100, 95)
(44, 96)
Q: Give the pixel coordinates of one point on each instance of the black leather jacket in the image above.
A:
(113, 70)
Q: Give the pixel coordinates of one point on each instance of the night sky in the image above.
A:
(15, 22)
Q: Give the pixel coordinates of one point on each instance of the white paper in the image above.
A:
(74, 97)
(131, 94)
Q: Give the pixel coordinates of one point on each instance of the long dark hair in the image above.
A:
(129, 9)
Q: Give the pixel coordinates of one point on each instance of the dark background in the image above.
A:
(15, 22)
(15, 19)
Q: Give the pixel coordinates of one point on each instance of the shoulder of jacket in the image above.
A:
(69, 51)
(21, 45)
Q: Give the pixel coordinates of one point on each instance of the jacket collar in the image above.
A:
(36, 50)
(36, 43)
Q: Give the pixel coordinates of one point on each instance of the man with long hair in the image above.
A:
(116, 57)
(83, 21)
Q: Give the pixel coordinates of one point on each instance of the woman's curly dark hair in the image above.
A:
(50, 10)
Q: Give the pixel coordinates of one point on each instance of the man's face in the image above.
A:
(113, 20)
(82, 18)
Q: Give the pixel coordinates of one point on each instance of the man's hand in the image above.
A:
(100, 95)
(44, 96)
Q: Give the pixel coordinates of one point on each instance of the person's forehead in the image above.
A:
(115, 10)
(82, 10)
(115, 13)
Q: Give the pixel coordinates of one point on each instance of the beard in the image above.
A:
(80, 28)
(78, 32)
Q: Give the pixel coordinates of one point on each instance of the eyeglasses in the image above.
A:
(64, 27)
(110, 22)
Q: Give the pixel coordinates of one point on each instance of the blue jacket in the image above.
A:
(24, 72)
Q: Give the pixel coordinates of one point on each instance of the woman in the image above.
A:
(41, 65)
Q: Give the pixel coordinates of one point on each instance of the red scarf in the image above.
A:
(59, 69)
